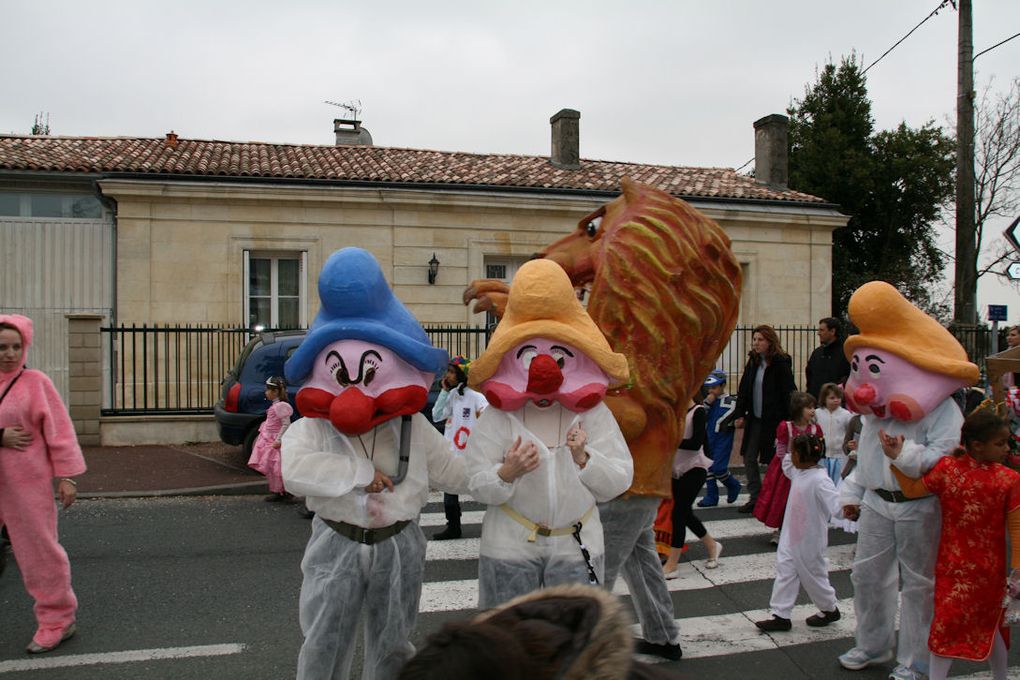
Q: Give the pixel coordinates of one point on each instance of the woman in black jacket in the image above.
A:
(763, 401)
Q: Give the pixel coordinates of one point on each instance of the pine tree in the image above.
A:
(892, 183)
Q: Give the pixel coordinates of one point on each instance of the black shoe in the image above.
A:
(305, 512)
(667, 651)
(447, 534)
(823, 618)
(776, 623)
(747, 508)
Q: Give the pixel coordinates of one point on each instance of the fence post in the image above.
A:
(85, 379)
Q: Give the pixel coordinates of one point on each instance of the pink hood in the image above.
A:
(24, 326)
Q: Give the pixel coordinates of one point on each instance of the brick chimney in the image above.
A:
(771, 150)
(171, 140)
(350, 132)
(566, 139)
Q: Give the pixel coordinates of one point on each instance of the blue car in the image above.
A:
(243, 405)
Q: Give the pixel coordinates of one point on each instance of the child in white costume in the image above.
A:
(366, 365)
(547, 449)
(800, 558)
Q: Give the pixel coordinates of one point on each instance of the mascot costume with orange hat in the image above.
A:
(665, 291)
(547, 449)
(904, 368)
(364, 457)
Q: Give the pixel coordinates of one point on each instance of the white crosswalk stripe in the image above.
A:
(702, 636)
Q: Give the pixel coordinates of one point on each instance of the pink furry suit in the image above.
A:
(27, 505)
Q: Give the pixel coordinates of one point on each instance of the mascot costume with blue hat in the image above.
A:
(364, 458)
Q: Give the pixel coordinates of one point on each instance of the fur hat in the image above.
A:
(542, 304)
(357, 304)
(888, 321)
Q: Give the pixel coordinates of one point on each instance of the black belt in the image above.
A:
(366, 536)
(896, 496)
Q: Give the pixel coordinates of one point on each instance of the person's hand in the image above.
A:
(892, 446)
(576, 440)
(521, 459)
(379, 483)
(67, 492)
(852, 445)
(709, 398)
(738, 423)
(16, 438)
(276, 445)
(852, 512)
(448, 384)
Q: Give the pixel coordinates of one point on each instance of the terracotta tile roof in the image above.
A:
(368, 164)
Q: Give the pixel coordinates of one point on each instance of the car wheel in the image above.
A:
(249, 440)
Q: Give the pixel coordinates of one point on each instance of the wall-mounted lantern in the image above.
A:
(433, 269)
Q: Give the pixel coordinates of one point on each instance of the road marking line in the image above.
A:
(467, 548)
(136, 655)
(444, 596)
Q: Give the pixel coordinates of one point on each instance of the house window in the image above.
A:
(275, 290)
(29, 204)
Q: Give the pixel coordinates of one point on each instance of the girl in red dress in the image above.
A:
(980, 498)
(775, 488)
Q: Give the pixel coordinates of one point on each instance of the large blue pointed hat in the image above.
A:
(357, 304)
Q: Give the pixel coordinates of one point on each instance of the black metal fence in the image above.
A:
(177, 370)
(165, 370)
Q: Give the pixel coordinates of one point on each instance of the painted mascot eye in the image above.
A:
(854, 364)
(559, 354)
(526, 354)
(593, 226)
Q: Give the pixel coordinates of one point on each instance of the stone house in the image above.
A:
(174, 231)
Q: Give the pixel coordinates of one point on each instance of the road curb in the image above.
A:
(240, 489)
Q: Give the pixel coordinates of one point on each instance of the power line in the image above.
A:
(1015, 35)
(751, 160)
(933, 13)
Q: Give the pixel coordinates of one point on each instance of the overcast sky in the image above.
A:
(673, 82)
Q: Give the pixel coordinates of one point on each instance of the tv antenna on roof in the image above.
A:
(352, 107)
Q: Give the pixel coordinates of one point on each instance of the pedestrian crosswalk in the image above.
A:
(716, 608)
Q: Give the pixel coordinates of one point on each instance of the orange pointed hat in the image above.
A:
(888, 321)
(542, 304)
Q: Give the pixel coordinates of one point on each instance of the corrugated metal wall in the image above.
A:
(50, 268)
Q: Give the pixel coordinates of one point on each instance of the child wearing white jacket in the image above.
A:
(800, 558)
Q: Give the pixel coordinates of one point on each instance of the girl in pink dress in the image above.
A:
(265, 454)
(37, 445)
(775, 488)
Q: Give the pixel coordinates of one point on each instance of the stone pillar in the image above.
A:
(566, 139)
(771, 150)
(85, 375)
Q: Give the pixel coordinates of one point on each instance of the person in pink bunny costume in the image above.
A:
(904, 367)
(547, 449)
(37, 445)
(364, 458)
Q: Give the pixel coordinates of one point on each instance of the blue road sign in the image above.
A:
(997, 313)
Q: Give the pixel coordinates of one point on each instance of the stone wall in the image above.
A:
(85, 381)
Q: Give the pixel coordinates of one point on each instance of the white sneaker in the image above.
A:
(901, 672)
(774, 540)
(672, 573)
(713, 562)
(857, 658)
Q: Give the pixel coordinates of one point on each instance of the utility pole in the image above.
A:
(965, 289)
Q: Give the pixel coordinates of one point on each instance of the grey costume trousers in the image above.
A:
(630, 550)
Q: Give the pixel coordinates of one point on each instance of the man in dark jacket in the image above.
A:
(827, 363)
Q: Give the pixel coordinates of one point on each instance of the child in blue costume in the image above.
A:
(719, 444)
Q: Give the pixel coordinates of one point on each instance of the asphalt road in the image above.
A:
(207, 587)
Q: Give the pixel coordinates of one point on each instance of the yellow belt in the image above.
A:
(541, 529)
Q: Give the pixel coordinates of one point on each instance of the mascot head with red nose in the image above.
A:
(546, 349)
(365, 359)
(903, 363)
